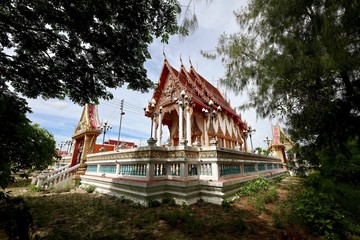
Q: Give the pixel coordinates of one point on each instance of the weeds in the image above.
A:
(89, 188)
(171, 218)
(258, 203)
(226, 204)
(168, 200)
(61, 189)
(254, 186)
(271, 195)
(144, 221)
(318, 207)
(185, 220)
(265, 193)
(34, 188)
(152, 203)
(66, 216)
(238, 224)
(277, 220)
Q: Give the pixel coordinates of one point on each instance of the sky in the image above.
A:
(60, 117)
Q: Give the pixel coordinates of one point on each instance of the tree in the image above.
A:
(80, 48)
(77, 49)
(261, 151)
(23, 146)
(300, 59)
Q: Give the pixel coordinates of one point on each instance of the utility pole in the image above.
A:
(250, 131)
(267, 140)
(121, 114)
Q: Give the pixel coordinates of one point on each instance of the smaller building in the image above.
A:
(113, 145)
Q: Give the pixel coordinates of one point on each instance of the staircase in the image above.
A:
(55, 177)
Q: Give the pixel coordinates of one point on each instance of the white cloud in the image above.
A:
(60, 105)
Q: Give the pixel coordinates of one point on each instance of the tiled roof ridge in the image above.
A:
(199, 88)
(216, 94)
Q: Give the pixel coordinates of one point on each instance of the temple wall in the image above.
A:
(186, 173)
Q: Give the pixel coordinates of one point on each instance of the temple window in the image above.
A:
(249, 168)
(175, 169)
(192, 170)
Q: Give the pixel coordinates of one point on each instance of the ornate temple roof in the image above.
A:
(89, 120)
(197, 88)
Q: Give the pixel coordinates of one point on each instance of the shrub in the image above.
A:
(184, 219)
(277, 220)
(89, 188)
(240, 225)
(318, 213)
(61, 189)
(34, 188)
(143, 221)
(254, 186)
(271, 195)
(168, 200)
(258, 203)
(152, 203)
(171, 218)
(325, 207)
(226, 204)
(194, 226)
(278, 179)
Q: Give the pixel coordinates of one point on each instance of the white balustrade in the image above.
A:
(54, 177)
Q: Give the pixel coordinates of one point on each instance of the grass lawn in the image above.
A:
(82, 215)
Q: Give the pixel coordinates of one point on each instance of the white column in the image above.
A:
(154, 128)
(206, 135)
(188, 126)
(117, 169)
(159, 130)
(181, 130)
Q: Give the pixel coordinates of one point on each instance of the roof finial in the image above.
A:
(190, 62)
(181, 60)
(164, 53)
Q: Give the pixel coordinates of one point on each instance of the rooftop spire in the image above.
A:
(164, 53)
(181, 60)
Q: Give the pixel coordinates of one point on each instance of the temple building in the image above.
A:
(194, 111)
(205, 158)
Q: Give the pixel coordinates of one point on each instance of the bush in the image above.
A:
(152, 203)
(171, 218)
(194, 226)
(318, 213)
(185, 220)
(226, 204)
(271, 195)
(62, 188)
(89, 188)
(239, 224)
(254, 186)
(277, 220)
(258, 203)
(327, 208)
(34, 188)
(168, 200)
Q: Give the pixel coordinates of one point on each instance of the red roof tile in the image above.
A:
(199, 89)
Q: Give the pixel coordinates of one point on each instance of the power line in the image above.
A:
(131, 110)
(130, 106)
